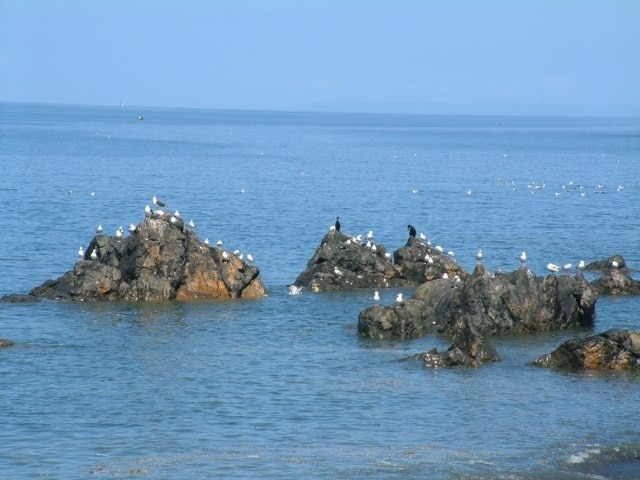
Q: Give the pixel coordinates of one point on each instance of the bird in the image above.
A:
(567, 266)
(119, 232)
(158, 203)
(225, 255)
(370, 234)
(552, 267)
(479, 255)
(376, 296)
(523, 256)
(219, 243)
(374, 249)
(445, 275)
(337, 224)
(294, 290)
(249, 257)
(177, 213)
(94, 254)
(132, 228)
(399, 297)
(81, 252)
(147, 210)
(581, 264)
(422, 236)
(99, 229)
(192, 224)
(614, 264)
(412, 231)
(173, 219)
(337, 271)
(439, 249)
(206, 241)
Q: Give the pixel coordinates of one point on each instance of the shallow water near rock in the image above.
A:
(283, 387)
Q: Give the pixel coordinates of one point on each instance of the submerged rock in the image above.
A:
(517, 302)
(469, 349)
(5, 343)
(160, 260)
(611, 350)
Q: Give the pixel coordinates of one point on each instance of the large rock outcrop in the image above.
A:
(160, 260)
(343, 262)
(611, 350)
(517, 302)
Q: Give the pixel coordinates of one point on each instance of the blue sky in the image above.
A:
(448, 56)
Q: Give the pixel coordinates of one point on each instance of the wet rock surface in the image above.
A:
(160, 260)
(616, 278)
(615, 349)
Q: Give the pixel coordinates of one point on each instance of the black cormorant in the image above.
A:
(412, 231)
(337, 224)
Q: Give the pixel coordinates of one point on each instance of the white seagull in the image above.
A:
(158, 203)
(553, 267)
(581, 264)
(479, 255)
(249, 257)
(147, 210)
(99, 229)
(132, 228)
(337, 271)
(399, 297)
(523, 257)
(81, 252)
(94, 255)
(206, 241)
(614, 264)
(376, 296)
(192, 224)
(119, 232)
(293, 290)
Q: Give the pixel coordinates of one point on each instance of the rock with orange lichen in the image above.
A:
(160, 260)
(611, 350)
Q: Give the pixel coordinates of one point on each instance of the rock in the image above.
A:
(160, 260)
(402, 320)
(5, 343)
(517, 302)
(420, 263)
(610, 350)
(18, 298)
(342, 263)
(605, 264)
(616, 280)
(469, 349)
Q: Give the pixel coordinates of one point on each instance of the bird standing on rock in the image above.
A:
(337, 224)
(158, 203)
(412, 231)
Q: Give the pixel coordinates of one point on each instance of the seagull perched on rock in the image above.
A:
(119, 231)
(553, 267)
(132, 228)
(158, 203)
(81, 252)
(399, 297)
(192, 224)
(614, 264)
(147, 210)
(523, 257)
(376, 296)
(479, 255)
(206, 241)
(581, 265)
(337, 271)
(249, 257)
(99, 229)
(94, 255)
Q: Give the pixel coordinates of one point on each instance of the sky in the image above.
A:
(398, 56)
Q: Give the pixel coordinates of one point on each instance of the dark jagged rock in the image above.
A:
(469, 349)
(517, 302)
(616, 280)
(5, 343)
(605, 264)
(342, 263)
(161, 260)
(18, 298)
(403, 320)
(420, 263)
(610, 350)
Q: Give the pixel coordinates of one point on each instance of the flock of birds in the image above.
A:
(119, 233)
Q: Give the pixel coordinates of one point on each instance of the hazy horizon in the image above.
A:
(462, 57)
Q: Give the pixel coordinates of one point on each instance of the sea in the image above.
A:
(283, 387)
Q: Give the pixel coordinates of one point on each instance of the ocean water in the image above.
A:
(283, 387)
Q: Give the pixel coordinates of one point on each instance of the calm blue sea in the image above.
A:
(283, 387)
